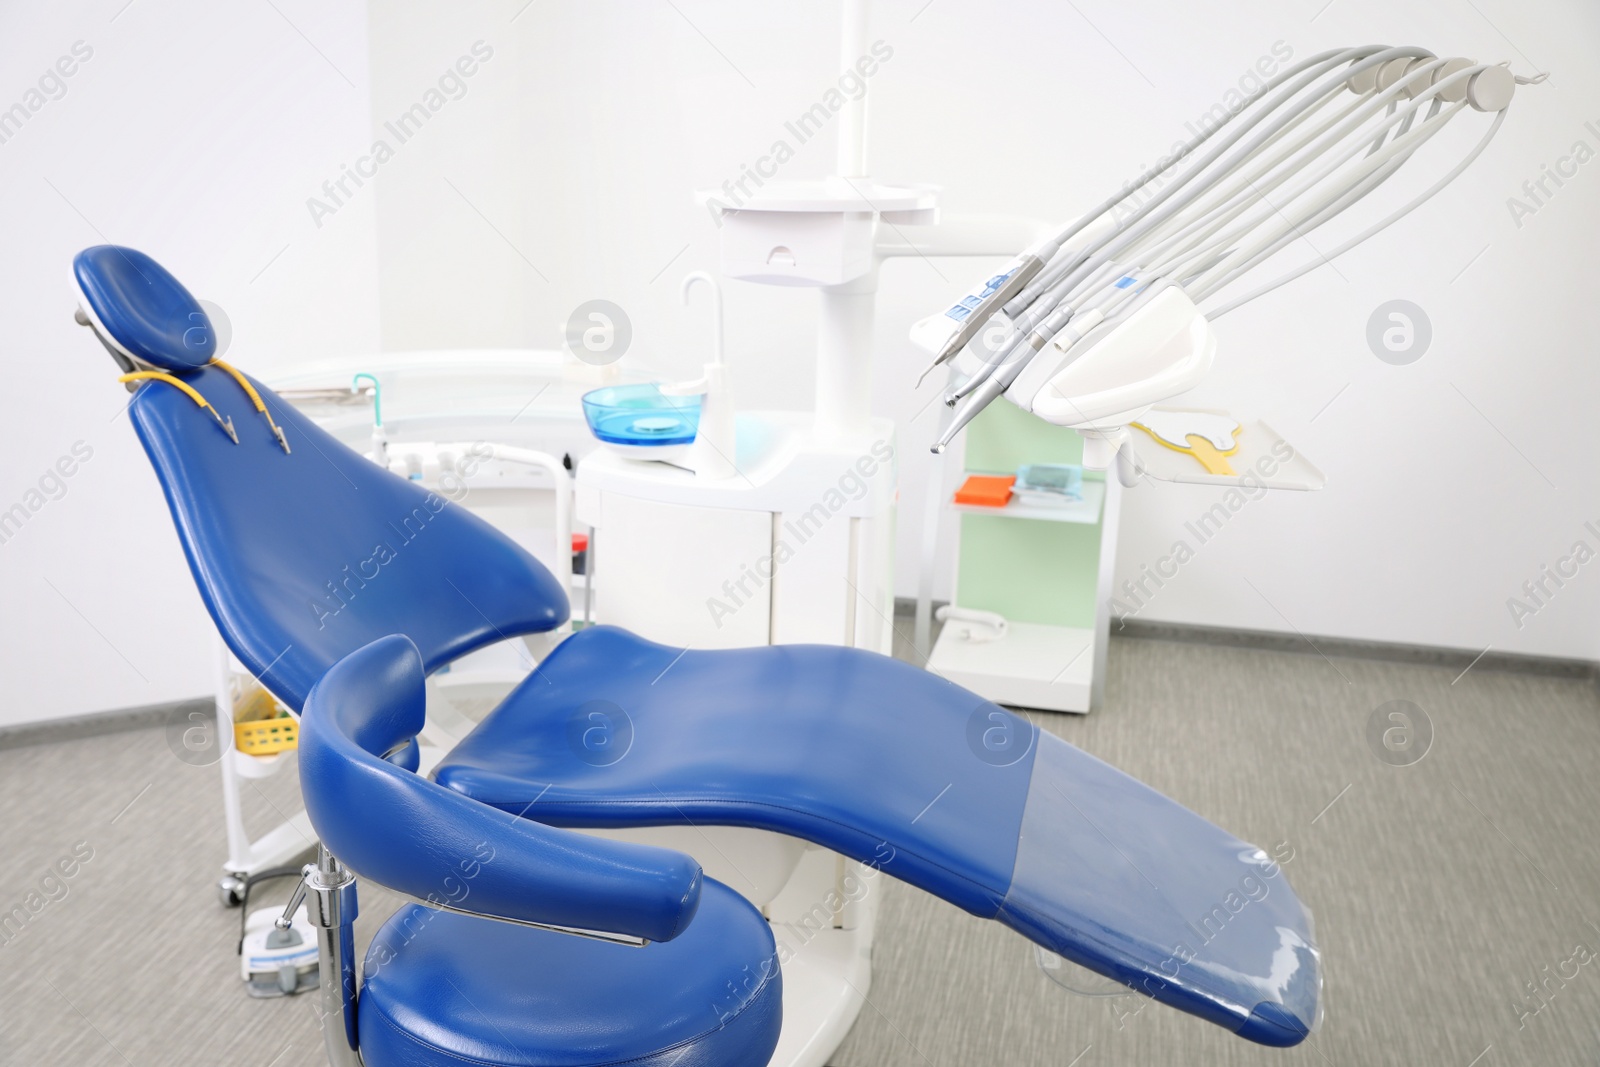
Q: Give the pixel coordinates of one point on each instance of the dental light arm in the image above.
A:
(1297, 155)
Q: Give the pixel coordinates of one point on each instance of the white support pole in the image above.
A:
(844, 358)
(852, 158)
(240, 852)
(1110, 518)
(932, 515)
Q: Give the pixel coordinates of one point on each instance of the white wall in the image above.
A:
(199, 132)
(1451, 481)
(194, 131)
(576, 149)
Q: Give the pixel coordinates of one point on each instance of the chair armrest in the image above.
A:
(433, 844)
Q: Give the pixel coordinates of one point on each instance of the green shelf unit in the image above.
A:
(1042, 572)
(1047, 572)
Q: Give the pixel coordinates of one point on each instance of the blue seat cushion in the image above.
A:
(901, 769)
(447, 990)
(861, 753)
(145, 310)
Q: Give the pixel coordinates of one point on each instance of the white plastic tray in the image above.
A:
(1260, 458)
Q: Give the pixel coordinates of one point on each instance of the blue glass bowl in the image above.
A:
(640, 415)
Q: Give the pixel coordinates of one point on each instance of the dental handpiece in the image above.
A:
(989, 297)
(984, 373)
(1051, 304)
(991, 363)
(986, 394)
(1002, 375)
(1023, 281)
(1019, 351)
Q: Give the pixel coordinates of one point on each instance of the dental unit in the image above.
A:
(1104, 318)
(528, 939)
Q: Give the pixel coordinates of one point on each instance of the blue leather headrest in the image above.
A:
(140, 308)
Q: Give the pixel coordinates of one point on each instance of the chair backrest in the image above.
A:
(403, 831)
(305, 556)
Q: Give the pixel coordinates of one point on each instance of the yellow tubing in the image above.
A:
(190, 391)
(255, 398)
(244, 383)
(157, 376)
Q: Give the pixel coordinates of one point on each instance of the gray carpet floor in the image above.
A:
(1445, 891)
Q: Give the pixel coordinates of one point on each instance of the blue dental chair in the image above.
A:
(341, 586)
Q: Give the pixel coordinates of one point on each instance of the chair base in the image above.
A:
(827, 968)
(444, 989)
(825, 985)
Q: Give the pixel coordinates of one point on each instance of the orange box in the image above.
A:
(986, 490)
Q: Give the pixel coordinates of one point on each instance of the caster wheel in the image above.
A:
(230, 890)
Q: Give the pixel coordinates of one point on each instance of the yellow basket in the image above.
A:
(266, 737)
